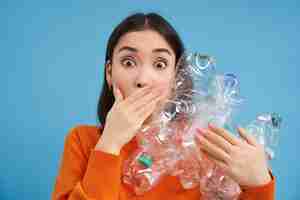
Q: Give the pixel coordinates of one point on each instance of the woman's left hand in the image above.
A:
(243, 160)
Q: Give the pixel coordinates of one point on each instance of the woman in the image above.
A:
(141, 56)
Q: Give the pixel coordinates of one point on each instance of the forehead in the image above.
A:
(144, 41)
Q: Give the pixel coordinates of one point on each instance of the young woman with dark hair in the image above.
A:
(140, 66)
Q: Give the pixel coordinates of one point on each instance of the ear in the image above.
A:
(108, 73)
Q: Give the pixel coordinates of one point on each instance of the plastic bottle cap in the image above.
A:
(146, 160)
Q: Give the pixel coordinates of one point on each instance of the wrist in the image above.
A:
(264, 179)
(260, 180)
(107, 147)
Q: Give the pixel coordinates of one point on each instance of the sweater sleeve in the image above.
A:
(80, 178)
(263, 192)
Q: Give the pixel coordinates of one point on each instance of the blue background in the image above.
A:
(52, 55)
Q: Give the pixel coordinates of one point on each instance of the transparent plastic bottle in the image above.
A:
(266, 131)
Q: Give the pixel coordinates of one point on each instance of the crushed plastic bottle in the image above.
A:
(168, 145)
(266, 131)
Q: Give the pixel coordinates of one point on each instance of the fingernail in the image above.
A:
(147, 90)
(201, 130)
(239, 128)
(210, 125)
(200, 137)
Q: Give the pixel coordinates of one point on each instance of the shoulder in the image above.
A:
(84, 137)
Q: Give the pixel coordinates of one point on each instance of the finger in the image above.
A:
(225, 134)
(250, 139)
(213, 150)
(221, 164)
(148, 109)
(117, 93)
(218, 162)
(216, 139)
(143, 101)
(137, 95)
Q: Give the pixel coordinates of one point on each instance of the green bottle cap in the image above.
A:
(145, 160)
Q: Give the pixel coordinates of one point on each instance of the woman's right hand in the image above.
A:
(126, 117)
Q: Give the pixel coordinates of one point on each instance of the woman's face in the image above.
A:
(142, 59)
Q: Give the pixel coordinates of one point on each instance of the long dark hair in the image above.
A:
(133, 23)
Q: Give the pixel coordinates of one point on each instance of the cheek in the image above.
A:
(166, 87)
(122, 80)
(124, 87)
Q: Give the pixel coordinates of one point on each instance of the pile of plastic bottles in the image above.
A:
(168, 145)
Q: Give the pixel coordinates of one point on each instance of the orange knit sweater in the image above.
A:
(87, 174)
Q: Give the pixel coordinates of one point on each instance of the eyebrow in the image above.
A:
(128, 49)
(162, 50)
(158, 50)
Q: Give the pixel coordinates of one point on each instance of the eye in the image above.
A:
(161, 64)
(128, 62)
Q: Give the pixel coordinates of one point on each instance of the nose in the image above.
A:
(144, 78)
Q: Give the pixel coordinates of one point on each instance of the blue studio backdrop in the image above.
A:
(52, 55)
